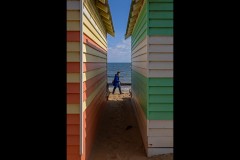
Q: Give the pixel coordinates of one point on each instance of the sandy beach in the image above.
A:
(118, 135)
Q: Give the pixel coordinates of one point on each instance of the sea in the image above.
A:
(125, 75)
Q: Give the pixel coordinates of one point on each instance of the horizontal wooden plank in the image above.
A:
(91, 58)
(87, 31)
(73, 67)
(161, 73)
(160, 48)
(73, 140)
(101, 88)
(90, 21)
(160, 31)
(73, 118)
(140, 45)
(139, 58)
(88, 41)
(73, 150)
(93, 80)
(94, 30)
(89, 50)
(92, 88)
(140, 64)
(160, 124)
(93, 73)
(73, 36)
(157, 151)
(160, 141)
(73, 5)
(161, 65)
(73, 56)
(139, 52)
(73, 77)
(160, 40)
(142, 71)
(160, 107)
(161, 98)
(88, 66)
(73, 25)
(73, 15)
(73, 98)
(158, 82)
(160, 14)
(158, 132)
(73, 129)
(73, 46)
(160, 90)
(73, 108)
(161, 6)
(160, 23)
(160, 57)
(160, 115)
(73, 88)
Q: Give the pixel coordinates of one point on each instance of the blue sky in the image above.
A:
(119, 49)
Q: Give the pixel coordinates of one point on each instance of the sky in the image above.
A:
(119, 49)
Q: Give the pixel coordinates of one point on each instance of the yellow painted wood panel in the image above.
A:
(93, 73)
(88, 5)
(73, 77)
(96, 38)
(73, 15)
(73, 25)
(73, 46)
(73, 108)
(90, 50)
(91, 58)
(89, 19)
(73, 56)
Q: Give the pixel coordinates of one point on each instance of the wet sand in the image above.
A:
(118, 136)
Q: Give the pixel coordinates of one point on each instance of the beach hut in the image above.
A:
(150, 25)
(88, 23)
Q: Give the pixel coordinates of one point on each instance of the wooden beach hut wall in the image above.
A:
(88, 23)
(150, 25)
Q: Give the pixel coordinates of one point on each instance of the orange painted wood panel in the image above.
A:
(73, 119)
(88, 66)
(73, 36)
(73, 129)
(73, 87)
(93, 80)
(74, 150)
(91, 89)
(88, 41)
(73, 98)
(73, 140)
(73, 67)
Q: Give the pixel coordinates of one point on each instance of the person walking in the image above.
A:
(116, 83)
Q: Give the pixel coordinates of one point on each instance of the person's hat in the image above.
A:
(118, 72)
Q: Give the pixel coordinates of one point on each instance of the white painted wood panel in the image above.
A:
(160, 48)
(160, 124)
(161, 73)
(160, 57)
(160, 40)
(160, 141)
(160, 65)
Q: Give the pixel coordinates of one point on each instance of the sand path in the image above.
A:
(118, 136)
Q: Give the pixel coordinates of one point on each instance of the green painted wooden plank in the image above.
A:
(161, 6)
(160, 0)
(141, 34)
(160, 23)
(160, 15)
(161, 98)
(160, 107)
(160, 90)
(161, 31)
(160, 116)
(160, 82)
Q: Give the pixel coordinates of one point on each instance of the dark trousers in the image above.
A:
(119, 87)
